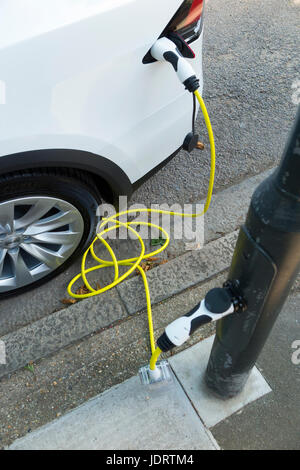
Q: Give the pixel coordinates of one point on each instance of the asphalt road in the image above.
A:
(251, 60)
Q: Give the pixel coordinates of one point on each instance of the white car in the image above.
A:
(85, 114)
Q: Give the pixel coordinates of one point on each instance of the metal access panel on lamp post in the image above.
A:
(265, 263)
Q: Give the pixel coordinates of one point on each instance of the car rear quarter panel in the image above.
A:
(74, 79)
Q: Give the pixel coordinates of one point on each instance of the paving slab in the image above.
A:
(59, 329)
(189, 367)
(179, 274)
(56, 331)
(129, 416)
(227, 212)
(273, 421)
(270, 422)
(88, 367)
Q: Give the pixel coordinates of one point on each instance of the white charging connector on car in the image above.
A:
(166, 50)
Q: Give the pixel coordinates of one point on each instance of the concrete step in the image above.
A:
(129, 416)
(45, 333)
(89, 366)
(96, 363)
(167, 415)
(227, 212)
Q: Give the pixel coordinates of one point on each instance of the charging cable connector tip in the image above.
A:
(166, 50)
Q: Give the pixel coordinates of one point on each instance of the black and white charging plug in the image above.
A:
(217, 303)
(166, 50)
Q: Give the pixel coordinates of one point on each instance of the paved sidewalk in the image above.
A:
(131, 416)
(185, 416)
(257, 419)
(273, 421)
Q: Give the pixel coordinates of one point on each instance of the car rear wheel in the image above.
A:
(46, 219)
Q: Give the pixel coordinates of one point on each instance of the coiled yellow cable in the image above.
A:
(134, 263)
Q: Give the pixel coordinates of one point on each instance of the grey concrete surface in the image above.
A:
(56, 331)
(227, 212)
(129, 416)
(273, 422)
(190, 366)
(88, 367)
(134, 416)
(180, 273)
(34, 316)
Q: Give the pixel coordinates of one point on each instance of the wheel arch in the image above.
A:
(109, 178)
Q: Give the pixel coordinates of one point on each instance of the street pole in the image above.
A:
(265, 263)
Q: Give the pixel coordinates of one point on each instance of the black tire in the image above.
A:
(65, 184)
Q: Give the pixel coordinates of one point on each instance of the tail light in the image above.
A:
(186, 23)
(188, 20)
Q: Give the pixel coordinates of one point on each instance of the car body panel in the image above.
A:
(74, 79)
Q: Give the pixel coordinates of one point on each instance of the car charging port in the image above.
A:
(182, 46)
(190, 142)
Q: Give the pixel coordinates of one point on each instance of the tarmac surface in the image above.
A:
(250, 62)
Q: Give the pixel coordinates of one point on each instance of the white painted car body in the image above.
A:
(72, 77)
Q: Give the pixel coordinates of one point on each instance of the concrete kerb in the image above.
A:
(56, 331)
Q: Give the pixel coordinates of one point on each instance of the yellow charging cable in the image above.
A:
(134, 263)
